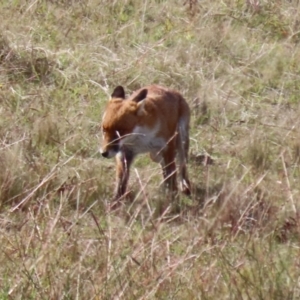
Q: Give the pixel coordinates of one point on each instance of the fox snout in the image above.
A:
(104, 153)
(109, 152)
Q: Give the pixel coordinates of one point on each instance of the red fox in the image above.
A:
(152, 120)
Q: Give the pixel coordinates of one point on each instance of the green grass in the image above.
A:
(238, 65)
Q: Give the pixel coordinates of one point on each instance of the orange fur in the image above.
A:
(153, 119)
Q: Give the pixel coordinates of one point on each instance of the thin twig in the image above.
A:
(290, 194)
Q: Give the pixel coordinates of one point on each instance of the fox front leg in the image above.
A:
(123, 161)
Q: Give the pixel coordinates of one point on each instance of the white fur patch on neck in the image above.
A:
(144, 139)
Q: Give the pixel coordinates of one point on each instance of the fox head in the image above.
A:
(120, 118)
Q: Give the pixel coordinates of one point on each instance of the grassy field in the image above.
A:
(238, 65)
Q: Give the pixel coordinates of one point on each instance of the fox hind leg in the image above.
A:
(168, 165)
(183, 149)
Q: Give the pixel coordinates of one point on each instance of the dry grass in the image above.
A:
(237, 237)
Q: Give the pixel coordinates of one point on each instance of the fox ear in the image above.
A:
(118, 92)
(140, 96)
(140, 100)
